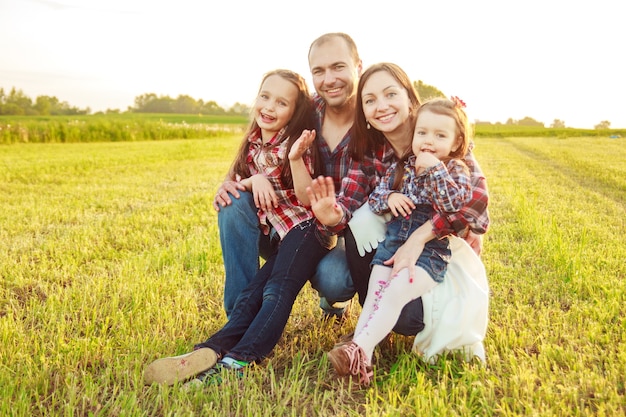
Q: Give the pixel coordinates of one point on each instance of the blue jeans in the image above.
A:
(243, 243)
(263, 308)
(332, 279)
(436, 253)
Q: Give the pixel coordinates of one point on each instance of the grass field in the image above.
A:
(110, 258)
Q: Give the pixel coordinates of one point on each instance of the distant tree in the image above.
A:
(557, 123)
(16, 103)
(43, 105)
(529, 121)
(162, 104)
(210, 107)
(185, 105)
(426, 92)
(526, 121)
(142, 101)
(239, 108)
(150, 103)
(605, 124)
(12, 110)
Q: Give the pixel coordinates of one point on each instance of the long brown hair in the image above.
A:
(365, 140)
(303, 118)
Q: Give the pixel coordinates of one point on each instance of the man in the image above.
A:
(335, 68)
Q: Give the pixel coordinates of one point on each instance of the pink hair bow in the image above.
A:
(458, 102)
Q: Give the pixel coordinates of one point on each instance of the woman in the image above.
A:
(385, 96)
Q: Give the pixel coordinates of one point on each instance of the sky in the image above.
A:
(545, 59)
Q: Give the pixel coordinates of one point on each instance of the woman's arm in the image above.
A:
(473, 219)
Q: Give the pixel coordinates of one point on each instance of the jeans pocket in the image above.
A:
(438, 267)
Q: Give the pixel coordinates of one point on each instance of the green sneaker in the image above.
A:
(214, 376)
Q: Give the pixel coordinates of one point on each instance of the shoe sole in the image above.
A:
(175, 369)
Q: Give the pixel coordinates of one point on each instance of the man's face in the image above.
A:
(335, 74)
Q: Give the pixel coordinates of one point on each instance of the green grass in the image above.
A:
(115, 128)
(110, 259)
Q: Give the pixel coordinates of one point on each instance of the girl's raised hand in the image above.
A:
(301, 145)
(264, 195)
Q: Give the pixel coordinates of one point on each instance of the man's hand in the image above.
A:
(222, 197)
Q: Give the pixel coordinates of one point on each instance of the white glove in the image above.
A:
(368, 228)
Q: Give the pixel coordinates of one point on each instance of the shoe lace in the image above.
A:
(358, 363)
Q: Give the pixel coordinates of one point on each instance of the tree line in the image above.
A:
(16, 103)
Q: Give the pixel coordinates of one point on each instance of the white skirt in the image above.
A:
(456, 312)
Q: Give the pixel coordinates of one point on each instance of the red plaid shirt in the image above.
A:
(267, 159)
(336, 163)
(364, 176)
(360, 181)
(474, 215)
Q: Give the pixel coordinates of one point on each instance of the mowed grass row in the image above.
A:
(110, 258)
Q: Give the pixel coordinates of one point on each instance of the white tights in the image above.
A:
(386, 297)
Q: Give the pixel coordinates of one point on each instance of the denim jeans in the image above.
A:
(242, 243)
(436, 253)
(261, 311)
(332, 279)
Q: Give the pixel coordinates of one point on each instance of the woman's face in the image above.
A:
(386, 103)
